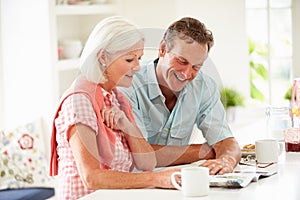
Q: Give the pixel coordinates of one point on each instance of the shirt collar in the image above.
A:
(109, 98)
(153, 86)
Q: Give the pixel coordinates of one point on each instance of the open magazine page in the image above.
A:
(233, 180)
(243, 174)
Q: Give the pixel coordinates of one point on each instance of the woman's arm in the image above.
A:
(143, 154)
(82, 140)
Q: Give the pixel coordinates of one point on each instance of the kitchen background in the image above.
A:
(33, 76)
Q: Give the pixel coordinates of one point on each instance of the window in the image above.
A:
(269, 29)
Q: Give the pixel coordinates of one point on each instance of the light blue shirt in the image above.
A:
(198, 103)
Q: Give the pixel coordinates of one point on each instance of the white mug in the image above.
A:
(195, 181)
(267, 150)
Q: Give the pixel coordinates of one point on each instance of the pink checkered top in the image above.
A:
(77, 108)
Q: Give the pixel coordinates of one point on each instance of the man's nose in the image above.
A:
(187, 73)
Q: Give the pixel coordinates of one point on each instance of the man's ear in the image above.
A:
(162, 48)
(102, 57)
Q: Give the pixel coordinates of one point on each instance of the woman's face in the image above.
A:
(123, 66)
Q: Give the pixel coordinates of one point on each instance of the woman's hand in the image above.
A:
(115, 118)
(143, 154)
(163, 178)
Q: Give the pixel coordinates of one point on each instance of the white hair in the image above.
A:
(112, 35)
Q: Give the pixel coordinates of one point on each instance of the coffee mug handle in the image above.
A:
(173, 180)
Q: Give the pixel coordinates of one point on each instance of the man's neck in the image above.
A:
(170, 96)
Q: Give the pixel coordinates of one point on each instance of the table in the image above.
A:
(284, 185)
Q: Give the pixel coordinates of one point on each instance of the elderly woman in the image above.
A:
(95, 141)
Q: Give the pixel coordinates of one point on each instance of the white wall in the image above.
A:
(296, 38)
(226, 19)
(149, 14)
(153, 17)
(27, 91)
(26, 62)
(2, 122)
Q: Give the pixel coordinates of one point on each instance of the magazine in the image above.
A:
(242, 176)
(238, 179)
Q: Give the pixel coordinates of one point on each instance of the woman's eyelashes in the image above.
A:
(129, 60)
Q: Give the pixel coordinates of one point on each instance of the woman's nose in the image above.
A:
(136, 66)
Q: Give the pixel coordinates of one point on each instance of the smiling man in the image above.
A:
(171, 94)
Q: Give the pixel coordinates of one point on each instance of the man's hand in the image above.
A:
(218, 166)
(228, 154)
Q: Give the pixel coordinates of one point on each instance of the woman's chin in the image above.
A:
(127, 84)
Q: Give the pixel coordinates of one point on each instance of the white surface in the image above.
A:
(283, 185)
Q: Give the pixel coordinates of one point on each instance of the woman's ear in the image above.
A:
(102, 57)
(162, 48)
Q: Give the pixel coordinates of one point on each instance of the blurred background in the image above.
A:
(255, 51)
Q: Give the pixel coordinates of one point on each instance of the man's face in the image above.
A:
(180, 65)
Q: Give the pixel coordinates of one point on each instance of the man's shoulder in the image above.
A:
(145, 73)
(203, 78)
(140, 79)
(144, 65)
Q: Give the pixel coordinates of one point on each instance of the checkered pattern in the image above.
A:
(78, 109)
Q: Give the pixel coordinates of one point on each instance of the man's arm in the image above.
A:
(228, 155)
(175, 155)
(229, 149)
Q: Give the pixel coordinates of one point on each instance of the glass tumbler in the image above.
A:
(292, 140)
(278, 120)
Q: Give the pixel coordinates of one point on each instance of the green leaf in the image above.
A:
(255, 93)
(252, 65)
(254, 47)
(257, 70)
(231, 97)
(262, 71)
(262, 51)
(288, 93)
(251, 46)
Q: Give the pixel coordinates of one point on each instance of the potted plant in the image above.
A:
(231, 99)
